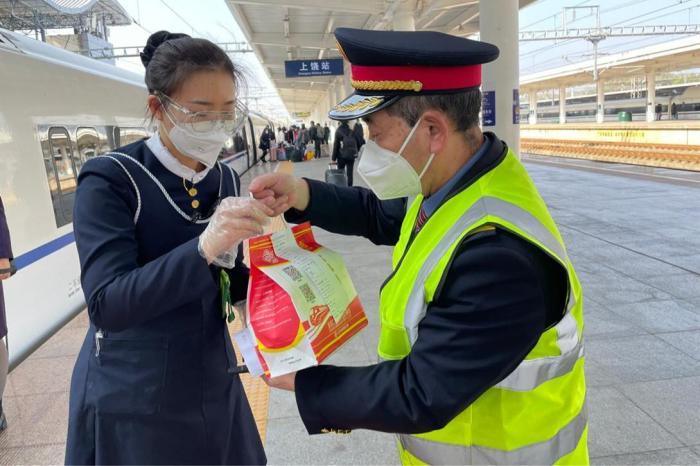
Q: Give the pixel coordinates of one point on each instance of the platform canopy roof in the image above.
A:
(58, 14)
(280, 30)
(675, 55)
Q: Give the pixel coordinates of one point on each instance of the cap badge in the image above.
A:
(359, 105)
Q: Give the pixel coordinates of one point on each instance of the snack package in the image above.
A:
(301, 303)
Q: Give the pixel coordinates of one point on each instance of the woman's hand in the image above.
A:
(281, 191)
(235, 219)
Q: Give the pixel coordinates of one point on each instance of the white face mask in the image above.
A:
(387, 173)
(203, 147)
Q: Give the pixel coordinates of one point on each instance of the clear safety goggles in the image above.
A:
(205, 122)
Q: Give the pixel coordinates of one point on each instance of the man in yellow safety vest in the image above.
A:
(481, 342)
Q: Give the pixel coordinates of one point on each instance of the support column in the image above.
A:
(345, 80)
(651, 95)
(339, 90)
(600, 102)
(498, 24)
(562, 105)
(404, 18)
(532, 108)
(330, 95)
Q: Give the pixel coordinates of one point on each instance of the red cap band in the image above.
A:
(433, 78)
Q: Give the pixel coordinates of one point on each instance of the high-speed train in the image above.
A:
(58, 109)
(583, 108)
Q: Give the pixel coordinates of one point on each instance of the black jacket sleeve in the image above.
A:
(120, 292)
(5, 246)
(488, 315)
(352, 211)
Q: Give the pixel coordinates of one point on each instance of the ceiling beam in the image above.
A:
(438, 6)
(305, 41)
(469, 15)
(301, 86)
(369, 7)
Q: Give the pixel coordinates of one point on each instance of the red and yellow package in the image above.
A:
(301, 304)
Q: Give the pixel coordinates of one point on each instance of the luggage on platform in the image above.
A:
(295, 155)
(336, 176)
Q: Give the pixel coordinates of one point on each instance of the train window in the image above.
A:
(129, 135)
(61, 172)
(88, 142)
(105, 134)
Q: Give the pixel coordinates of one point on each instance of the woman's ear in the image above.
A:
(439, 127)
(155, 107)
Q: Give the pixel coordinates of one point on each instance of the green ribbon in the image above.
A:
(226, 304)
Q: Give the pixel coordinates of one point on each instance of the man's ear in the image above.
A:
(439, 127)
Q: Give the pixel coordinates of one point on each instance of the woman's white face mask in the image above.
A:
(202, 147)
(387, 173)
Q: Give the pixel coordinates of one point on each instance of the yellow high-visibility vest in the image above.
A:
(536, 414)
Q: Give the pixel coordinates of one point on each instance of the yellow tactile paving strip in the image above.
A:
(683, 157)
(256, 389)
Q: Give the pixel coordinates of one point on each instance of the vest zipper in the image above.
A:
(405, 251)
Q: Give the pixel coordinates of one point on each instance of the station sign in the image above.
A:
(306, 68)
(301, 114)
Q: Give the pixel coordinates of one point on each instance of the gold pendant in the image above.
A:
(192, 192)
(195, 204)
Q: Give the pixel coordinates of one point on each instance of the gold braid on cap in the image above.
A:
(415, 86)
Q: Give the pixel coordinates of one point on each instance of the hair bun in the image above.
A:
(156, 40)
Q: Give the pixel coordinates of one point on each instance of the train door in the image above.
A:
(62, 174)
(253, 146)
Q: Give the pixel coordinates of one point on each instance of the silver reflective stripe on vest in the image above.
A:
(530, 373)
(416, 306)
(547, 452)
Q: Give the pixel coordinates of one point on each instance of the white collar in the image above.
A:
(172, 164)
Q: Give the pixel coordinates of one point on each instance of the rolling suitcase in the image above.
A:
(295, 155)
(336, 176)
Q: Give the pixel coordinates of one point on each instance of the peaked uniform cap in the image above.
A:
(387, 65)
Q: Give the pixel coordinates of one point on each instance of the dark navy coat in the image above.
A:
(5, 253)
(157, 387)
(499, 294)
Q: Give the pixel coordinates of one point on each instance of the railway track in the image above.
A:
(683, 157)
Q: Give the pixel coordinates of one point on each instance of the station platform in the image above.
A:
(634, 236)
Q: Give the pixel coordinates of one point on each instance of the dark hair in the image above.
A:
(461, 108)
(170, 58)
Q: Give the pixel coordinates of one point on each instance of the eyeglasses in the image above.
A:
(205, 122)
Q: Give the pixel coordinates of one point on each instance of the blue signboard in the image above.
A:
(305, 68)
(516, 106)
(488, 108)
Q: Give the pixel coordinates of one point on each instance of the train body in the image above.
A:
(583, 108)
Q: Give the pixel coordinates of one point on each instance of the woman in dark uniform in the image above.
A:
(6, 270)
(158, 225)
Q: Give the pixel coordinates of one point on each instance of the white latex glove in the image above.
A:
(235, 219)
